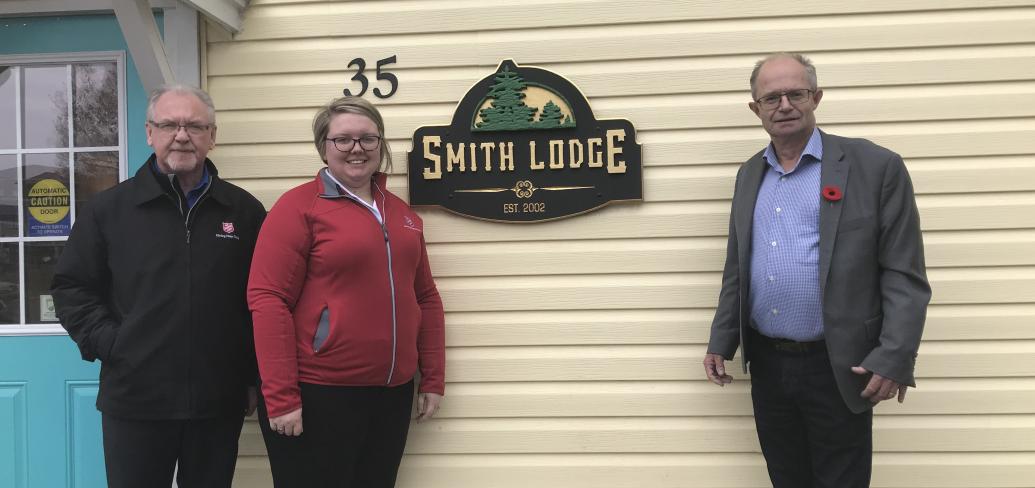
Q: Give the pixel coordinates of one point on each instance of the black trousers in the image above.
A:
(144, 453)
(809, 438)
(352, 437)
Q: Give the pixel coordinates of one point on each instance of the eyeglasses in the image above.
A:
(174, 127)
(796, 97)
(345, 144)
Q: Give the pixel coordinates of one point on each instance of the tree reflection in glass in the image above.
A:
(95, 108)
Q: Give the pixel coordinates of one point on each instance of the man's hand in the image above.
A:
(880, 388)
(715, 369)
(288, 424)
(253, 401)
(427, 405)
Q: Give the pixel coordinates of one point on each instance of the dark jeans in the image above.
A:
(144, 453)
(809, 438)
(352, 437)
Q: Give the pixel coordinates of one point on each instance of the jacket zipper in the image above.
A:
(391, 281)
(391, 277)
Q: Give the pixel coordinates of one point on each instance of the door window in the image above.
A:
(62, 140)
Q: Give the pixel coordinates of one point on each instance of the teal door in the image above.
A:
(67, 90)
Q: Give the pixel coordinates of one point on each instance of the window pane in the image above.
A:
(46, 106)
(9, 283)
(40, 261)
(7, 113)
(96, 93)
(94, 172)
(8, 195)
(46, 195)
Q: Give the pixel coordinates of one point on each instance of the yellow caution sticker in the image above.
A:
(48, 201)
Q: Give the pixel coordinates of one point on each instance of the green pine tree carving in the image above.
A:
(551, 117)
(507, 110)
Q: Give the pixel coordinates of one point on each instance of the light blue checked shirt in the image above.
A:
(785, 300)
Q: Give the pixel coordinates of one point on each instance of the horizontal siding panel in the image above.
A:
(657, 40)
(692, 326)
(980, 321)
(668, 112)
(240, 158)
(690, 254)
(741, 470)
(273, 20)
(715, 182)
(973, 433)
(954, 359)
(691, 290)
(574, 327)
(636, 77)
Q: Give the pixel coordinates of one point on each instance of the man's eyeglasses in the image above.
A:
(796, 97)
(174, 127)
(345, 144)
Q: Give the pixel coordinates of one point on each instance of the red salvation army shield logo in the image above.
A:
(228, 227)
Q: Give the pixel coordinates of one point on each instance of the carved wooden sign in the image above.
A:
(524, 146)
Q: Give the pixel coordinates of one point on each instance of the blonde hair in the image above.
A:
(349, 105)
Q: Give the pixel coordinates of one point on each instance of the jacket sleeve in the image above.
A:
(278, 271)
(431, 338)
(725, 331)
(81, 288)
(252, 367)
(904, 289)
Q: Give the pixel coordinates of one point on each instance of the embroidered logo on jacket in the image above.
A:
(228, 231)
(410, 224)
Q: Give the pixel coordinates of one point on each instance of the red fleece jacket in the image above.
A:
(323, 258)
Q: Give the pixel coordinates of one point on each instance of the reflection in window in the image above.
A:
(9, 283)
(7, 108)
(46, 107)
(46, 195)
(95, 91)
(94, 173)
(8, 195)
(40, 260)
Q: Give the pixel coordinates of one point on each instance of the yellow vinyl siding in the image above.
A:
(575, 345)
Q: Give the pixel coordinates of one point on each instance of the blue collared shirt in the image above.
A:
(196, 192)
(784, 298)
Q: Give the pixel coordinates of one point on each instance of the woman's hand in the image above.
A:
(427, 405)
(288, 424)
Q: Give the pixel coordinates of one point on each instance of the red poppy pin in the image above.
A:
(832, 193)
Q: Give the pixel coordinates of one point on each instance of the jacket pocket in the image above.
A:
(323, 329)
(853, 224)
(874, 327)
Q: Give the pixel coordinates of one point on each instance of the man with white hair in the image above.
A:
(152, 283)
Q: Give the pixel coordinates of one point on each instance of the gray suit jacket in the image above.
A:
(871, 266)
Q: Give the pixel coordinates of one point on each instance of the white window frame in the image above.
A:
(23, 60)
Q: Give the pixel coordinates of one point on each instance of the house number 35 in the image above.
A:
(381, 74)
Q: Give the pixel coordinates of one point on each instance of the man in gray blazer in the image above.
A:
(824, 285)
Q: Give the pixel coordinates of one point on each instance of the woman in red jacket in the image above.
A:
(345, 312)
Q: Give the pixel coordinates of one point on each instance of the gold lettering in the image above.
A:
(534, 162)
(455, 157)
(613, 150)
(574, 155)
(595, 156)
(556, 154)
(434, 172)
(487, 148)
(507, 157)
(474, 158)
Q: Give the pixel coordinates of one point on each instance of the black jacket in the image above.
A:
(157, 293)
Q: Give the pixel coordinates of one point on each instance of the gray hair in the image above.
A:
(350, 105)
(198, 93)
(810, 69)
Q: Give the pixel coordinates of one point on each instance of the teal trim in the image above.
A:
(78, 33)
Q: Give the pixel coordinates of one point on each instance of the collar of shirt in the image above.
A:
(372, 207)
(813, 149)
(195, 193)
